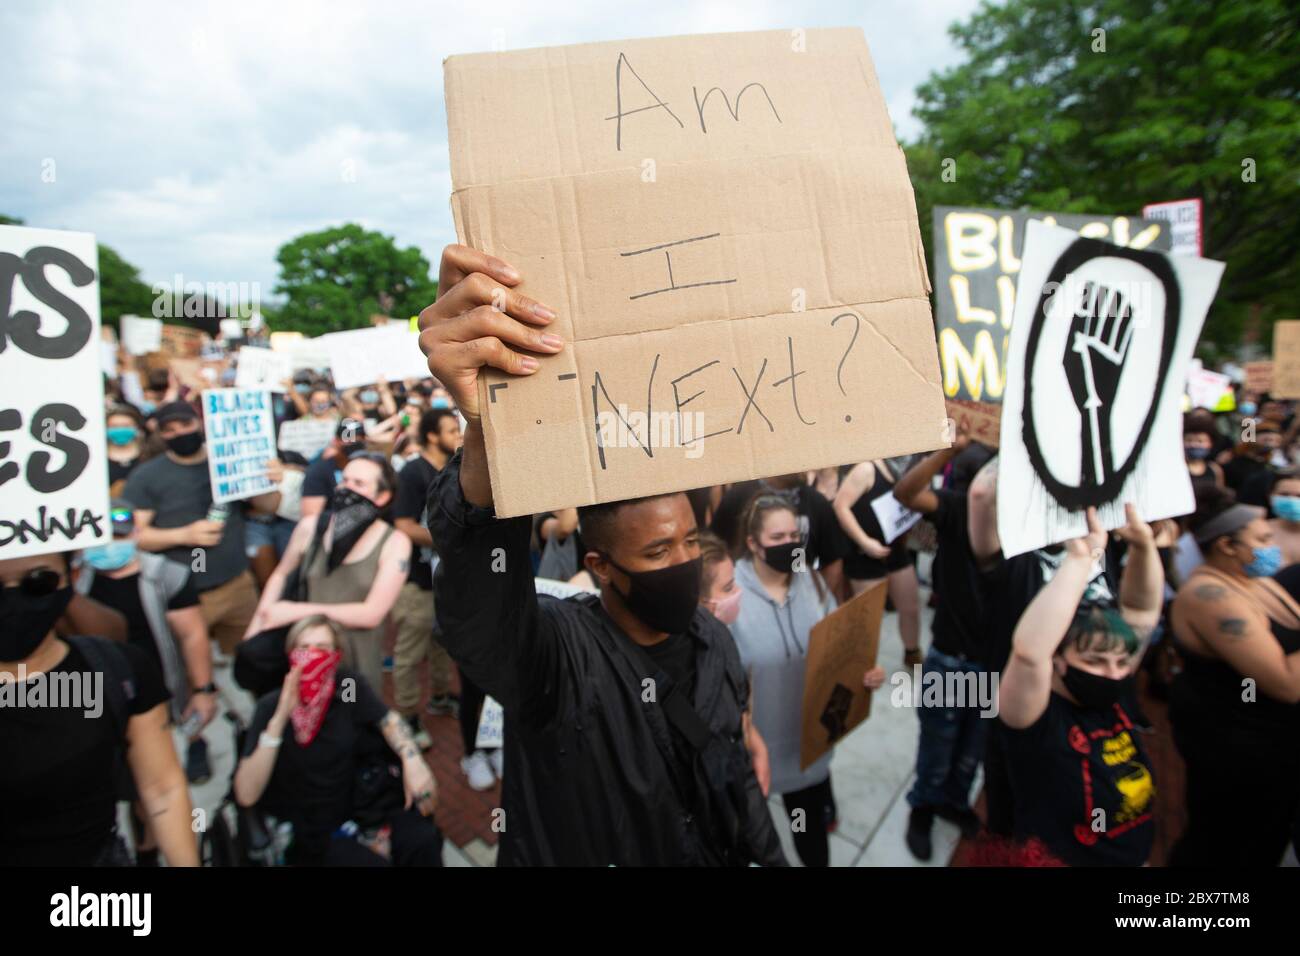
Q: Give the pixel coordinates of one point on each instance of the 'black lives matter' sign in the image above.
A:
(53, 460)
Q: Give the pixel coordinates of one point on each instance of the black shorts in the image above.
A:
(859, 567)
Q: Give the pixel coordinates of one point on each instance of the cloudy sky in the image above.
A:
(197, 137)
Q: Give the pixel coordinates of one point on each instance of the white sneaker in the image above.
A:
(478, 770)
(496, 757)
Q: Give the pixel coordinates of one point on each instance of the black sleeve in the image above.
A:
(367, 708)
(486, 600)
(262, 714)
(150, 691)
(950, 518)
(187, 596)
(318, 481)
(412, 491)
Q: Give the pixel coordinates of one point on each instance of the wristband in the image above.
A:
(266, 740)
(208, 688)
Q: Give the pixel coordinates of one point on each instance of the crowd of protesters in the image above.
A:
(652, 713)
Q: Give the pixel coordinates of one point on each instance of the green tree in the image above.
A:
(1173, 99)
(337, 278)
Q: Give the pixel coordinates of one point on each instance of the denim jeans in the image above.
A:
(952, 741)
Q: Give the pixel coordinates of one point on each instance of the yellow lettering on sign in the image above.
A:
(982, 371)
(970, 240)
(1007, 244)
(966, 312)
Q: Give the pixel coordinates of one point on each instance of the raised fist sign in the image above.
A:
(1101, 331)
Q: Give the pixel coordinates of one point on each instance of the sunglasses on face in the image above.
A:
(38, 582)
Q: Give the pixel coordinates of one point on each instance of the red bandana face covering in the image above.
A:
(315, 690)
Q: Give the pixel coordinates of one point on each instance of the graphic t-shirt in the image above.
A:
(1083, 784)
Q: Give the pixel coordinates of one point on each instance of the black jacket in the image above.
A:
(590, 779)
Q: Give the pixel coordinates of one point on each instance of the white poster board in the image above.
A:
(895, 520)
(240, 439)
(262, 368)
(1185, 226)
(363, 356)
(53, 456)
(1100, 344)
(491, 725)
(307, 436)
(310, 354)
(141, 336)
(1207, 389)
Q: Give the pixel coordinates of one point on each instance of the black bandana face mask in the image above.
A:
(1093, 691)
(27, 620)
(664, 599)
(353, 514)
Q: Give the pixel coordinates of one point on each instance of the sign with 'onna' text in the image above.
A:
(53, 456)
(240, 432)
(726, 230)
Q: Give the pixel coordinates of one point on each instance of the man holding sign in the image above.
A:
(636, 678)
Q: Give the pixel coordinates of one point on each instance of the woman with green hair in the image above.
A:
(1084, 793)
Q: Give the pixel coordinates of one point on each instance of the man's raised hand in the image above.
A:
(478, 320)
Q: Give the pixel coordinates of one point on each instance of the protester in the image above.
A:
(417, 640)
(61, 760)
(325, 473)
(570, 674)
(1253, 465)
(1079, 769)
(164, 619)
(175, 516)
(1234, 705)
(779, 606)
(952, 734)
(315, 756)
(1284, 504)
(125, 431)
(1198, 447)
(875, 560)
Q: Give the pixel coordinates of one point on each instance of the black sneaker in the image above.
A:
(964, 817)
(197, 769)
(918, 833)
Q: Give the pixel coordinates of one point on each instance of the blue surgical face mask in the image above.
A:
(1267, 562)
(440, 402)
(121, 436)
(147, 408)
(118, 553)
(369, 397)
(1286, 507)
(1247, 408)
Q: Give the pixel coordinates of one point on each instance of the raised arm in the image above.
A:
(1142, 586)
(983, 511)
(915, 489)
(1027, 679)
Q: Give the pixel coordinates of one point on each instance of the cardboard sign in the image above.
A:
(977, 258)
(841, 649)
(263, 368)
(363, 356)
(982, 419)
(181, 342)
(307, 436)
(1286, 359)
(895, 520)
(1185, 224)
(1259, 377)
(241, 440)
(141, 336)
(53, 456)
(725, 227)
(1100, 348)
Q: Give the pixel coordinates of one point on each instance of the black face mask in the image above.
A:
(664, 599)
(352, 514)
(1093, 691)
(780, 557)
(186, 445)
(27, 620)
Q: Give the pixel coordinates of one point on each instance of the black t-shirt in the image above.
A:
(413, 483)
(959, 622)
(312, 786)
(321, 478)
(824, 541)
(120, 470)
(1073, 762)
(123, 594)
(58, 802)
(1239, 472)
(675, 655)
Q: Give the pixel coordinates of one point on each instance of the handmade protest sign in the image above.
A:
(178, 341)
(1209, 389)
(1286, 359)
(895, 520)
(1100, 346)
(977, 256)
(1259, 377)
(307, 436)
(983, 420)
(241, 440)
(263, 368)
(1185, 224)
(53, 455)
(141, 336)
(363, 356)
(841, 649)
(725, 227)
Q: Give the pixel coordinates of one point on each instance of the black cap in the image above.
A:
(352, 431)
(175, 411)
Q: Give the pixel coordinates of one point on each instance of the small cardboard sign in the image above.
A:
(983, 420)
(1259, 378)
(1286, 359)
(841, 649)
(141, 336)
(240, 440)
(179, 341)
